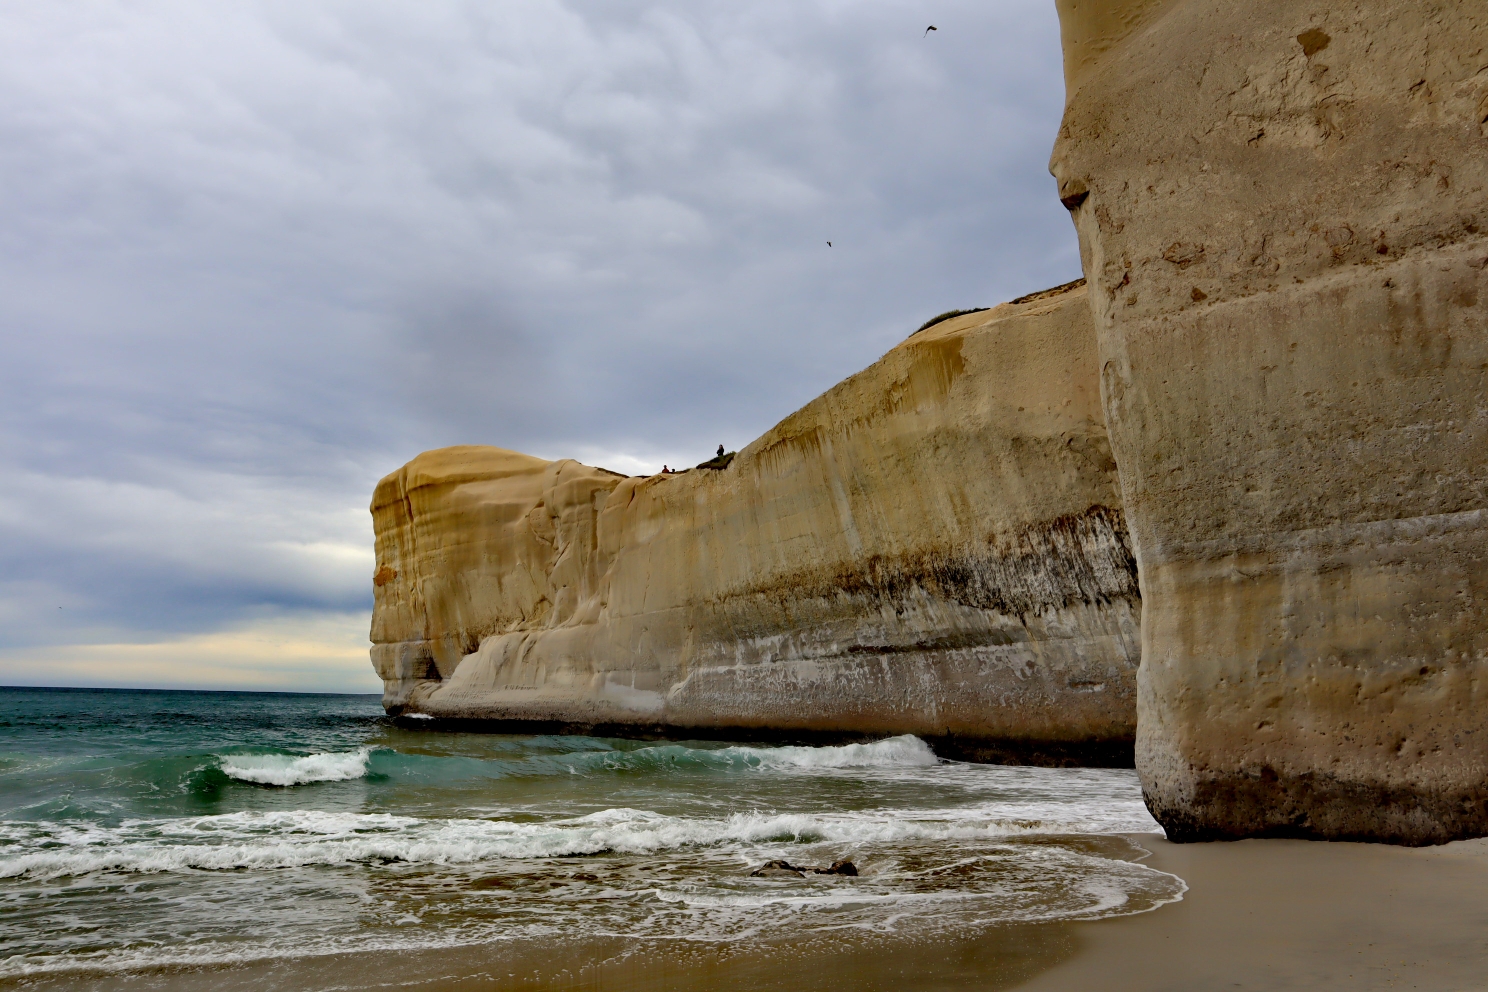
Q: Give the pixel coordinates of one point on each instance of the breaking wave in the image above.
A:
(895, 753)
(298, 838)
(286, 770)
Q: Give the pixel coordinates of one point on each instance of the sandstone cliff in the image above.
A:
(934, 546)
(1282, 208)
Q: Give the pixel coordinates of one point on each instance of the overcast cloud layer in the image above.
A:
(257, 255)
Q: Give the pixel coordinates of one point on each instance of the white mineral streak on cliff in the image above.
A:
(1282, 208)
(934, 546)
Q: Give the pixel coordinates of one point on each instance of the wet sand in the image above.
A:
(1259, 915)
(1285, 914)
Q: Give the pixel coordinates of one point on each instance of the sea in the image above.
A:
(150, 830)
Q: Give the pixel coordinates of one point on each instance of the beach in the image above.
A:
(197, 836)
(185, 841)
(1290, 914)
(1258, 915)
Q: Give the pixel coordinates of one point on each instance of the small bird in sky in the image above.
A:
(829, 244)
(929, 29)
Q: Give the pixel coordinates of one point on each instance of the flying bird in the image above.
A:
(929, 29)
(829, 244)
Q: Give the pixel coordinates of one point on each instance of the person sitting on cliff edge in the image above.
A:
(720, 451)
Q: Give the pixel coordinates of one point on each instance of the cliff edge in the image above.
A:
(934, 546)
(1283, 214)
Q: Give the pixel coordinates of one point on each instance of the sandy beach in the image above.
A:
(1259, 915)
(1285, 914)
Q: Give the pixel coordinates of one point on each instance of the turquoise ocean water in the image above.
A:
(140, 829)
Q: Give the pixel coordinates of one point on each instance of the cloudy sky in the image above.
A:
(257, 255)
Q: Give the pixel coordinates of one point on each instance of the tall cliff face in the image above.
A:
(934, 546)
(1282, 207)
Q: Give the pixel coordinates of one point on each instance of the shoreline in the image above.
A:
(1258, 914)
(1115, 752)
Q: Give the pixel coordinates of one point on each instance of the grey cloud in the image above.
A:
(257, 255)
(466, 358)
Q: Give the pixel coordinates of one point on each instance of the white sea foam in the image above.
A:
(955, 892)
(886, 757)
(1053, 884)
(286, 770)
(295, 838)
(905, 751)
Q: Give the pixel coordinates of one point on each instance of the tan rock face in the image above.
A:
(1282, 207)
(934, 546)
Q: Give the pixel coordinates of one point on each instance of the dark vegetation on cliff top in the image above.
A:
(722, 461)
(1042, 294)
(947, 316)
(1045, 294)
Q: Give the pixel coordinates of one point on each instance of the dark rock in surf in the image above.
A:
(778, 869)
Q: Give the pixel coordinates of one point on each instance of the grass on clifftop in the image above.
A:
(722, 461)
(1042, 294)
(946, 316)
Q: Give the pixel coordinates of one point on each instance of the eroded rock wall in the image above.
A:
(1282, 207)
(934, 546)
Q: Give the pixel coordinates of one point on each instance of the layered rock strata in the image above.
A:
(935, 546)
(1282, 208)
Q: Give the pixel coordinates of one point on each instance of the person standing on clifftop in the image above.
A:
(720, 451)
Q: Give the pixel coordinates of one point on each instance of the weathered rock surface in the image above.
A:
(1282, 208)
(935, 546)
